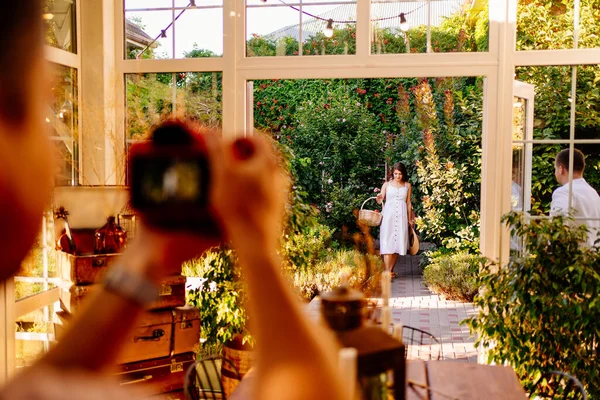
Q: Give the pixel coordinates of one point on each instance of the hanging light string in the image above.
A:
(163, 32)
(349, 21)
(330, 21)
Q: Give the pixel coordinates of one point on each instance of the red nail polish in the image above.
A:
(243, 149)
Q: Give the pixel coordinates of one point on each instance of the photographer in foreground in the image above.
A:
(295, 360)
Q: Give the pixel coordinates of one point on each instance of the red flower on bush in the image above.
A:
(389, 100)
(376, 95)
(326, 106)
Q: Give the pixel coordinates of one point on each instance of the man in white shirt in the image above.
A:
(585, 201)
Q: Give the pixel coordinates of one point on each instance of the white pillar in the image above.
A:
(102, 145)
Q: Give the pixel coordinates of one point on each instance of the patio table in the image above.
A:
(443, 380)
(461, 381)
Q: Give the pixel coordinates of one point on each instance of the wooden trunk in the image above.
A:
(171, 294)
(157, 334)
(150, 338)
(186, 329)
(161, 375)
(83, 269)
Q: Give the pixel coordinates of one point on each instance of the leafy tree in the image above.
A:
(337, 147)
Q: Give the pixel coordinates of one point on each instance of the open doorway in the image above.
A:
(345, 133)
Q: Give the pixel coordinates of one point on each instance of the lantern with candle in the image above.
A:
(378, 352)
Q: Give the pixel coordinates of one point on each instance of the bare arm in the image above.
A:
(381, 195)
(296, 359)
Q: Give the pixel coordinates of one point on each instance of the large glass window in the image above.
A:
(440, 26)
(34, 332)
(61, 28)
(173, 29)
(37, 280)
(296, 28)
(154, 97)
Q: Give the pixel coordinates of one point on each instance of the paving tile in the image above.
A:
(412, 304)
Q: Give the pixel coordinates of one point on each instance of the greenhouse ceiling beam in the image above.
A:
(364, 72)
(560, 57)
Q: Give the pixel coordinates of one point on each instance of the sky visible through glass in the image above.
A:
(204, 27)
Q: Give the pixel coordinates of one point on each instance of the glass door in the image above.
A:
(522, 134)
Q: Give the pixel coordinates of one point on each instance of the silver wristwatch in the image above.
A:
(134, 287)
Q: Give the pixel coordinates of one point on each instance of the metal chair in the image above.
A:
(558, 385)
(203, 378)
(420, 345)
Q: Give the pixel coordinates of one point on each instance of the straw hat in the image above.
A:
(413, 241)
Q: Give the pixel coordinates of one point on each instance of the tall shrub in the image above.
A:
(448, 167)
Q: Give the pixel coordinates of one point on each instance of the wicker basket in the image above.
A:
(368, 217)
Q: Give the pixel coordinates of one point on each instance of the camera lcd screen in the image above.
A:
(165, 180)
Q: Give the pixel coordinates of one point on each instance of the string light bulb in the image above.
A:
(47, 16)
(329, 29)
(192, 3)
(404, 26)
(264, 1)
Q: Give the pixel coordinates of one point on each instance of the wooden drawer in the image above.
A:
(162, 375)
(151, 338)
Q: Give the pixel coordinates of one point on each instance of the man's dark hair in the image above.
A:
(20, 44)
(562, 159)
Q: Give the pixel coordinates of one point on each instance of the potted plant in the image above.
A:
(220, 298)
(540, 312)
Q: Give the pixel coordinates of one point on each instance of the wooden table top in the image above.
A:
(462, 381)
(445, 380)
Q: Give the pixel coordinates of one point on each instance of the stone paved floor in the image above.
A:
(412, 304)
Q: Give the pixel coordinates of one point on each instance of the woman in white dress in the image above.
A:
(397, 215)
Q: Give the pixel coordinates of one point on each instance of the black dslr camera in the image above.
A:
(169, 179)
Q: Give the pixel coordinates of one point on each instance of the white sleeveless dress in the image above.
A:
(393, 235)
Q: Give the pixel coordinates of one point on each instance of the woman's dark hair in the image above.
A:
(21, 33)
(398, 167)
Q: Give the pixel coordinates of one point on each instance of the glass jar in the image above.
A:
(110, 238)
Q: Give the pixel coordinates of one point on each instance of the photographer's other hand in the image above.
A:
(249, 190)
(294, 354)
